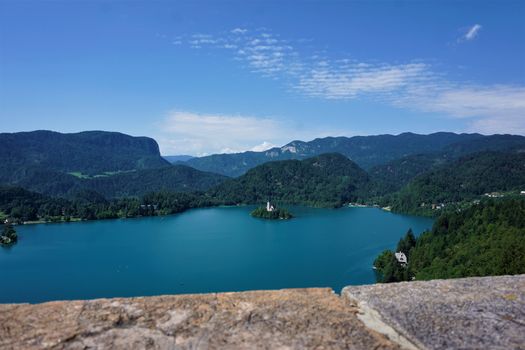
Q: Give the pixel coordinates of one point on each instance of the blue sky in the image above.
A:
(225, 76)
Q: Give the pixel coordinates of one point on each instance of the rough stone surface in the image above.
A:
(473, 313)
(467, 313)
(285, 319)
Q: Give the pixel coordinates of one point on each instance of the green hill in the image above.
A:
(89, 153)
(325, 180)
(463, 179)
(21, 205)
(392, 176)
(113, 164)
(487, 239)
(173, 178)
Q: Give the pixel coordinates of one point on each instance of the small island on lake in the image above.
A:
(271, 213)
(8, 235)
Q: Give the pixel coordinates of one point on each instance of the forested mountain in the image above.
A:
(174, 178)
(484, 240)
(414, 169)
(395, 174)
(89, 152)
(366, 151)
(325, 180)
(506, 143)
(392, 176)
(21, 205)
(463, 179)
(113, 164)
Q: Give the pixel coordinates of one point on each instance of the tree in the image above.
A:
(407, 243)
(9, 235)
(487, 239)
(279, 213)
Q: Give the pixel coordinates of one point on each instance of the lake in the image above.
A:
(199, 251)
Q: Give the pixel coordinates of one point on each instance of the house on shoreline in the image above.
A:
(401, 258)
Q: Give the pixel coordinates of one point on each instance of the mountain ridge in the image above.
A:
(90, 152)
(113, 163)
(366, 151)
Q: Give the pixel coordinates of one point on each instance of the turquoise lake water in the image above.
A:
(201, 250)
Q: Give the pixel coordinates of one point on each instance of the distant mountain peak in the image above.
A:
(367, 151)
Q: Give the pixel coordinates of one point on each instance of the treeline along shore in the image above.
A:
(53, 177)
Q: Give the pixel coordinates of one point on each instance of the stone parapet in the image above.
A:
(472, 313)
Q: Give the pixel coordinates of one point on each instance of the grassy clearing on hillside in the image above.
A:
(80, 175)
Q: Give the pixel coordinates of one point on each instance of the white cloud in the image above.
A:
(413, 85)
(498, 125)
(197, 41)
(263, 52)
(239, 31)
(479, 101)
(347, 82)
(219, 131)
(263, 147)
(200, 134)
(471, 33)
(489, 109)
(228, 150)
(267, 54)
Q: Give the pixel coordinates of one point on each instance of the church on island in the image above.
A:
(269, 206)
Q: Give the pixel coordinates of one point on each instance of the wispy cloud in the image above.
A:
(348, 81)
(239, 31)
(263, 147)
(198, 40)
(261, 51)
(199, 134)
(489, 109)
(414, 85)
(471, 33)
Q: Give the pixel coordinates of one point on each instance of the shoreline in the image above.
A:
(77, 220)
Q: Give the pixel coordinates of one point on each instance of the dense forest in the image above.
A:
(465, 179)
(482, 240)
(88, 152)
(276, 214)
(113, 164)
(8, 236)
(173, 178)
(392, 176)
(21, 205)
(327, 180)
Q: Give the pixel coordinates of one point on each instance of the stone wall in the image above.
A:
(463, 313)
